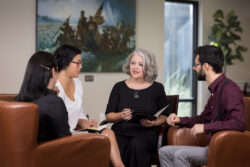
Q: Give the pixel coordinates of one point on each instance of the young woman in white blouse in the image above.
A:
(69, 62)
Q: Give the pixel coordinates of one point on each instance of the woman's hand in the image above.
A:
(147, 123)
(84, 123)
(158, 122)
(93, 123)
(126, 114)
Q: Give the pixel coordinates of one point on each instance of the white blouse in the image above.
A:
(74, 108)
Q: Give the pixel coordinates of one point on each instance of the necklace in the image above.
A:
(136, 95)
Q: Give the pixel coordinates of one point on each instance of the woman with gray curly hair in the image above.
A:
(150, 68)
(131, 107)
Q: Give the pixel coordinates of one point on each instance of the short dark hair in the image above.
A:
(64, 55)
(211, 55)
(37, 76)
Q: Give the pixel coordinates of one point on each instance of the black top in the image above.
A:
(53, 117)
(148, 101)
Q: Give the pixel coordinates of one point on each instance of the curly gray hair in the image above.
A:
(149, 64)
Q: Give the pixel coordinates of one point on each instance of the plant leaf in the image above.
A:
(218, 14)
(218, 35)
(238, 29)
(225, 32)
(242, 48)
(231, 13)
(240, 57)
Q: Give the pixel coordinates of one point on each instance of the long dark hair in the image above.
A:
(37, 76)
(64, 55)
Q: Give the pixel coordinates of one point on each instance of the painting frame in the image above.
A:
(104, 30)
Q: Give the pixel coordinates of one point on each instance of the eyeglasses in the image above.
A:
(195, 65)
(78, 63)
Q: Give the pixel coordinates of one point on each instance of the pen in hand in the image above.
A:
(92, 122)
(126, 114)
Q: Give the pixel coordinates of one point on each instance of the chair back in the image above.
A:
(174, 100)
(8, 97)
(163, 135)
(247, 109)
(18, 133)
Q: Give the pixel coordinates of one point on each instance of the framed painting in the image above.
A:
(104, 30)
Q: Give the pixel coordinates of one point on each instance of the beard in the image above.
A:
(201, 76)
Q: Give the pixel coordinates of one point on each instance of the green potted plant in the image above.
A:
(226, 33)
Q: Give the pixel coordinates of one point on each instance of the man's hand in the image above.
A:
(197, 129)
(173, 119)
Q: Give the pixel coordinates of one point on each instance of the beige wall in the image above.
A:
(17, 44)
(17, 41)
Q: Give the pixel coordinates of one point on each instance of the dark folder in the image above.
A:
(137, 116)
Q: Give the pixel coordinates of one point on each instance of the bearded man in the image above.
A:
(224, 110)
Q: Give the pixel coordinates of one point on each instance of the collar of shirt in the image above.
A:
(212, 87)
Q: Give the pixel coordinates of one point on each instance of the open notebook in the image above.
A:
(94, 129)
(139, 116)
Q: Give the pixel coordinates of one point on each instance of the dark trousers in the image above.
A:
(136, 151)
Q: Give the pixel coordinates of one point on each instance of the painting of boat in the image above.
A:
(103, 29)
